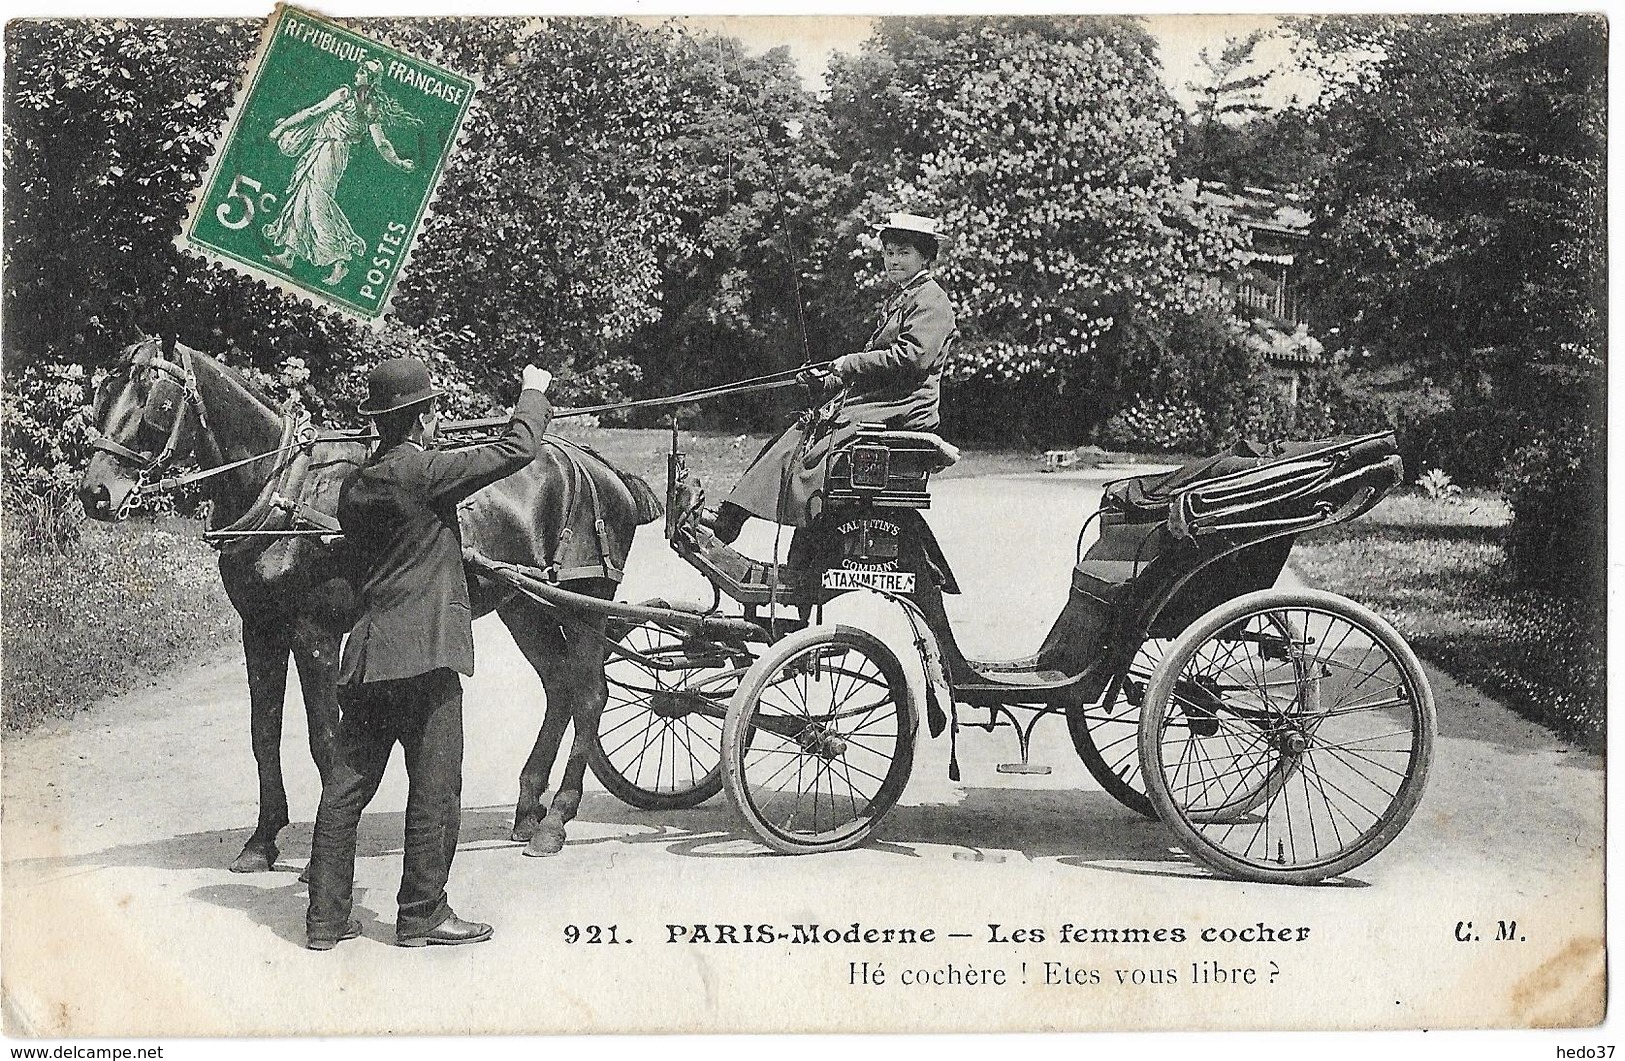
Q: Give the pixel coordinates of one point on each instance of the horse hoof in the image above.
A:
(523, 831)
(545, 842)
(255, 858)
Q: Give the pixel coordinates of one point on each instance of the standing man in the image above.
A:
(398, 679)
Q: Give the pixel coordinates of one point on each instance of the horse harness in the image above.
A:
(280, 510)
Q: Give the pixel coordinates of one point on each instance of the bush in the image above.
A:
(1470, 444)
(1556, 482)
(1159, 426)
(45, 426)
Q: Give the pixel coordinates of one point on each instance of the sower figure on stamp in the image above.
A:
(894, 382)
(398, 679)
(312, 225)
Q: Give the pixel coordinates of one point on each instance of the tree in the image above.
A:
(584, 194)
(734, 302)
(1459, 231)
(1460, 219)
(109, 124)
(1228, 97)
(1045, 145)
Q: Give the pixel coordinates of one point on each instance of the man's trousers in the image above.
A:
(424, 714)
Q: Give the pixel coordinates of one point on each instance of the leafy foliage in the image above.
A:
(45, 426)
(1228, 96)
(1460, 224)
(108, 126)
(581, 192)
(1460, 220)
(1044, 144)
(1437, 485)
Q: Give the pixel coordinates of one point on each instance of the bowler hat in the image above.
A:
(396, 384)
(914, 224)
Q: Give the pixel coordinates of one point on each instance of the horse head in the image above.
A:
(145, 416)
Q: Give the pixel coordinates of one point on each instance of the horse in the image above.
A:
(266, 470)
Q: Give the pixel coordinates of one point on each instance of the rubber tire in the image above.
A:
(1400, 808)
(1083, 741)
(737, 735)
(628, 792)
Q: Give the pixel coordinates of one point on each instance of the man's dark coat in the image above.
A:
(399, 514)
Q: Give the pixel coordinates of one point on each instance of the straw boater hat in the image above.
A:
(397, 384)
(914, 224)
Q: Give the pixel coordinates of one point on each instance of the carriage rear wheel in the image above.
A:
(819, 741)
(659, 739)
(1106, 735)
(1287, 759)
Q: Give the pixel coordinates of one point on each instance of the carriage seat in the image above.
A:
(887, 469)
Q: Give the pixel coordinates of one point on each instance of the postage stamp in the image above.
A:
(328, 164)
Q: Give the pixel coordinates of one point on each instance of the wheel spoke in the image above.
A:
(1236, 719)
(819, 775)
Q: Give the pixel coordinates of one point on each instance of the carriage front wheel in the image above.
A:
(819, 740)
(659, 739)
(1286, 736)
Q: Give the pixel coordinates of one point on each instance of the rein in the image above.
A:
(299, 436)
(753, 385)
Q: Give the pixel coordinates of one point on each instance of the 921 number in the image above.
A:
(592, 934)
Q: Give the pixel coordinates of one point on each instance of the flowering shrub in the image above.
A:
(45, 425)
(1159, 426)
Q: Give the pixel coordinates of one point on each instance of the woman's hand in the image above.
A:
(842, 367)
(814, 376)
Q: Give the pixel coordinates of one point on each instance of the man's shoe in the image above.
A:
(449, 933)
(351, 931)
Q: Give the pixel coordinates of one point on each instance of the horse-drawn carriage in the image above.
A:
(1283, 734)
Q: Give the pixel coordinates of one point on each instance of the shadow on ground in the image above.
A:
(1081, 830)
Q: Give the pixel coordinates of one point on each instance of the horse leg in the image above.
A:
(266, 655)
(579, 682)
(317, 662)
(542, 644)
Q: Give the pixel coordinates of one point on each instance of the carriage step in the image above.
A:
(1022, 768)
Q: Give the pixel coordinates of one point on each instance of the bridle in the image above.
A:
(174, 390)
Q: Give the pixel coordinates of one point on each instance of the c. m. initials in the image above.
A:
(1505, 931)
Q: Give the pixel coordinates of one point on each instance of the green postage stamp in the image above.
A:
(328, 164)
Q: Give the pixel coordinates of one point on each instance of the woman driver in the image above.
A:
(894, 382)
